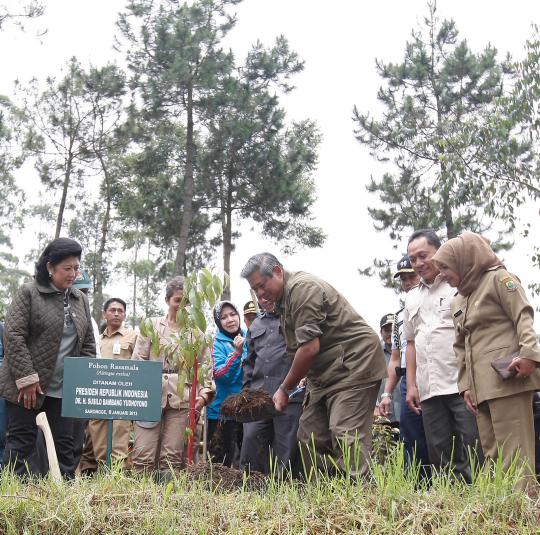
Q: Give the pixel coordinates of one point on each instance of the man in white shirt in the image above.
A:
(432, 366)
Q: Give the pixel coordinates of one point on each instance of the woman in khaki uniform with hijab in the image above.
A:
(493, 319)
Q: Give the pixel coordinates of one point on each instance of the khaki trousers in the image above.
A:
(342, 416)
(508, 423)
(167, 436)
(95, 443)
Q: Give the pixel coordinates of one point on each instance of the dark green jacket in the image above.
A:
(33, 331)
(350, 353)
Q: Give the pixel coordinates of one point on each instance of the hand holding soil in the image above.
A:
(280, 399)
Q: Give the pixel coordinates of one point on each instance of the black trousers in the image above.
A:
(451, 431)
(22, 434)
(224, 438)
(277, 435)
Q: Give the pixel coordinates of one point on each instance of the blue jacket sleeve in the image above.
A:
(226, 362)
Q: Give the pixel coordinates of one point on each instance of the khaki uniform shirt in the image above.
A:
(427, 320)
(118, 345)
(494, 321)
(169, 381)
(350, 350)
(123, 341)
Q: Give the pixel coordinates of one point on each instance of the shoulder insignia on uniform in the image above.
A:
(510, 286)
(509, 283)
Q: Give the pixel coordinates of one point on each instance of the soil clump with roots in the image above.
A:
(249, 405)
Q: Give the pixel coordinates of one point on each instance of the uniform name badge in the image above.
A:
(116, 348)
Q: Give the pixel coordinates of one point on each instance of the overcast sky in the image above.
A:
(339, 42)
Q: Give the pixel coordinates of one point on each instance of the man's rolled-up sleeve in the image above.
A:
(308, 311)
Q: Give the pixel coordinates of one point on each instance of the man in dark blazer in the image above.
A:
(266, 366)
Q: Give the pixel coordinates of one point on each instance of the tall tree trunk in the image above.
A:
(448, 218)
(135, 278)
(62, 207)
(226, 229)
(147, 283)
(444, 184)
(97, 303)
(445, 194)
(187, 213)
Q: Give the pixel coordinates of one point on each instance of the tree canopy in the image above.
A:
(437, 133)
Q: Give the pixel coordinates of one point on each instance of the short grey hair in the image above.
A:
(264, 262)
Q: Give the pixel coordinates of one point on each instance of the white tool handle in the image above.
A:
(54, 468)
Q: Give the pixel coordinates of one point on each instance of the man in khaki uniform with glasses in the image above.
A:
(331, 345)
(116, 342)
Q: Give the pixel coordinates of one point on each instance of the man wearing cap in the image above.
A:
(411, 428)
(250, 313)
(432, 367)
(116, 342)
(341, 355)
(265, 368)
(393, 412)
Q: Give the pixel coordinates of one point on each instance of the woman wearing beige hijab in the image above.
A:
(493, 319)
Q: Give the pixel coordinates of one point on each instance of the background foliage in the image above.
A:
(165, 160)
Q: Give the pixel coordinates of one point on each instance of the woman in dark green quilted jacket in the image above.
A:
(47, 321)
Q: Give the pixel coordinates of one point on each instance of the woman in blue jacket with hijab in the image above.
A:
(228, 353)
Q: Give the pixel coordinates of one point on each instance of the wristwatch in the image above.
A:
(386, 395)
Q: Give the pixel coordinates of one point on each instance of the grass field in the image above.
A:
(392, 502)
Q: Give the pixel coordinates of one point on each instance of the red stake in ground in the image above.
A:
(192, 414)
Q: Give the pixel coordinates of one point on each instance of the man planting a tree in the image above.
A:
(331, 345)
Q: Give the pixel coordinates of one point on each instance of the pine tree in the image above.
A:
(430, 100)
(177, 61)
(56, 122)
(12, 211)
(256, 166)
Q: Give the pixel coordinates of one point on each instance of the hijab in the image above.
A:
(217, 318)
(470, 256)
